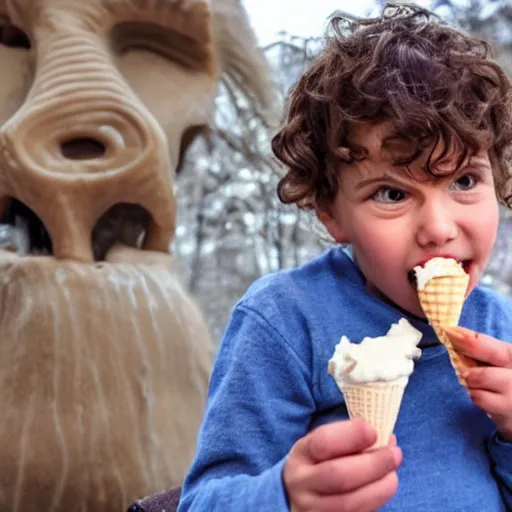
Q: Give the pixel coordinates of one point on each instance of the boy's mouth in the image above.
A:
(411, 275)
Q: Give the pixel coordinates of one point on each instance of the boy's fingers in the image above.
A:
(350, 473)
(480, 347)
(494, 404)
(367, 499)
(491, 378)
(338, 439)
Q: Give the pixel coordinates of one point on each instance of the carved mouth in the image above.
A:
(23, 232)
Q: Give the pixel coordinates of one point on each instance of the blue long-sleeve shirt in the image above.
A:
(270, 387)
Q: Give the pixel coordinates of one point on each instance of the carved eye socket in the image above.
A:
(12, 36)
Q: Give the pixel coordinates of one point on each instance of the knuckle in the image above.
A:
(316, 441)
(337, 475)
(365, 433)
(474, 376)
(387, 461)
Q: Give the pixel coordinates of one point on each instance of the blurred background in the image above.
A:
(232, 229)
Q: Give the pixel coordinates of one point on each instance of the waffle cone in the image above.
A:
(442, 299)
(377, 403)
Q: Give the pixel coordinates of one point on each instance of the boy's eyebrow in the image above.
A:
(475, 162)
(381, 177)
(478, 161)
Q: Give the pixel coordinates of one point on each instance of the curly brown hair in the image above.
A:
(438, 86)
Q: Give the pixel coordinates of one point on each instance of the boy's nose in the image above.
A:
(437, 225)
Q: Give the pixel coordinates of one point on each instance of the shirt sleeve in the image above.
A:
(259, 404)
(501, 456)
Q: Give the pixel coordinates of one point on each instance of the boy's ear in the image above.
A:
(333, 225)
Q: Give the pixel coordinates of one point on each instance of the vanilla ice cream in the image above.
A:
(380, 359)
(436, 267)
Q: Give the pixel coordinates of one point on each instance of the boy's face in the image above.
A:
(396, 221)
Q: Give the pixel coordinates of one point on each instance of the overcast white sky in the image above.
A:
(299, 17)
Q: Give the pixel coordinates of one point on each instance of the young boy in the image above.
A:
(398, 136)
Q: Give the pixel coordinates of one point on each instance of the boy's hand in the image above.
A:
(328, 471)
(490, 384)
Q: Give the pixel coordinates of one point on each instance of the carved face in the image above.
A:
(104, 359)
(96, 113)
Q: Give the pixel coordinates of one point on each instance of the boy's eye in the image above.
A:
(389, 195)
(465, 182)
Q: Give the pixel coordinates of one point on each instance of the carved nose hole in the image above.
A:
(82, 149)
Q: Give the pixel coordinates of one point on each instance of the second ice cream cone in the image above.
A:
(372, 376)
(442, 298)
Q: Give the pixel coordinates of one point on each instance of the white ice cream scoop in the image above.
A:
(384, 358)
(436, 267)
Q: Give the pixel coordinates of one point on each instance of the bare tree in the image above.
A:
(236, 228)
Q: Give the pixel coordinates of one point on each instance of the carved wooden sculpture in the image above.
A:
(104, 359)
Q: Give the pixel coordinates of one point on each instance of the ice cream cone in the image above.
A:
(372, 375)
(377, 403)
(441, 299)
